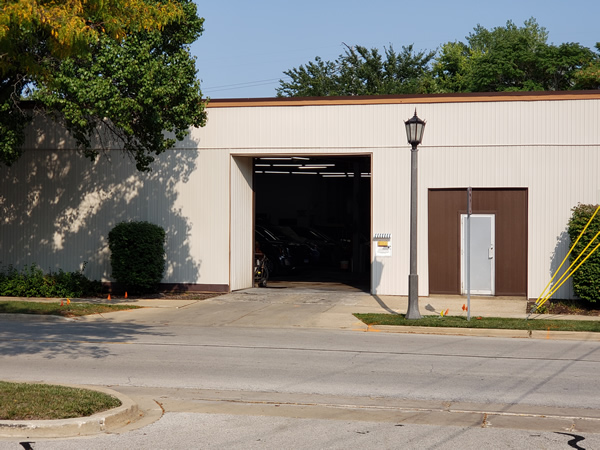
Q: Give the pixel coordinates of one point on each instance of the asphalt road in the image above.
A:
(444, 368)
(235, 432)
(245, 387)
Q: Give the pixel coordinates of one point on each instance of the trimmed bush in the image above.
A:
(33, 282)
(586, 280)
(137, 255)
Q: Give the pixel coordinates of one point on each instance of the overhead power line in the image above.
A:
(228, 87)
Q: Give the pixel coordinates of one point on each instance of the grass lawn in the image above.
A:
(24, 401)
(481, 322)
(54, 308)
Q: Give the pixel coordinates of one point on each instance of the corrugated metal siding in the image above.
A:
(242, 243)
(202, 199)
(391, 207)
(549, 147)
(57, 208)
(557, 179)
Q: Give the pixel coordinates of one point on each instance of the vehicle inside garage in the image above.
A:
(313, 218)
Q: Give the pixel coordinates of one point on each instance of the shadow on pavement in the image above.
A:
(67, 338)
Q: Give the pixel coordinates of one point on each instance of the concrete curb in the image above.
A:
(35, 318)
(79, 426)
(486, 332)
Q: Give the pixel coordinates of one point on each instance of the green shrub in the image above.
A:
(76, 283)
(33, 282)
(137, 255)
(586, 280)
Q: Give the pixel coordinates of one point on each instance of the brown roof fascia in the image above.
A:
(404, 99)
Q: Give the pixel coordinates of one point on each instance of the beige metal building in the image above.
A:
(528, 157)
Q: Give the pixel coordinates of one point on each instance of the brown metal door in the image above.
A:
(509, 206)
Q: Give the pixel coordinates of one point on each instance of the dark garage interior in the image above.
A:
(313, 218)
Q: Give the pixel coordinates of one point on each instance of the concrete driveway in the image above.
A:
(329, 306)
(325, 306)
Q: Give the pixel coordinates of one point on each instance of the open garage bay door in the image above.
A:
(313, 217)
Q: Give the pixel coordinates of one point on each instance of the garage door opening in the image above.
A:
(313, 219)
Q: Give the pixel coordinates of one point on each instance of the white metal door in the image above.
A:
(482, 251)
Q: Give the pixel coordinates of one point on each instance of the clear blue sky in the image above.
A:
(247, 45)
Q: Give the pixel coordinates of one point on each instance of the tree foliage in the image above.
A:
(505, 58)
(509, 58)
(67, 27)
(586, 279)
(123, 81)
(359, 71)
(588, 77)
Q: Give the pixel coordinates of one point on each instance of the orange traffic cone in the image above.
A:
(446, 313)
(109, 297)
(125, 294)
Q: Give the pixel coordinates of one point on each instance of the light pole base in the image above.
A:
(413, 297)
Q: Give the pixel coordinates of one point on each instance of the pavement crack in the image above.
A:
(485, 423)
(189, 304)
(573, 443)
(249, 313)
(161, 407)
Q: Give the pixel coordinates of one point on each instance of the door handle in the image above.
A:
(491, 252)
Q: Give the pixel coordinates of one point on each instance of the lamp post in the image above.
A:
(414, 133)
